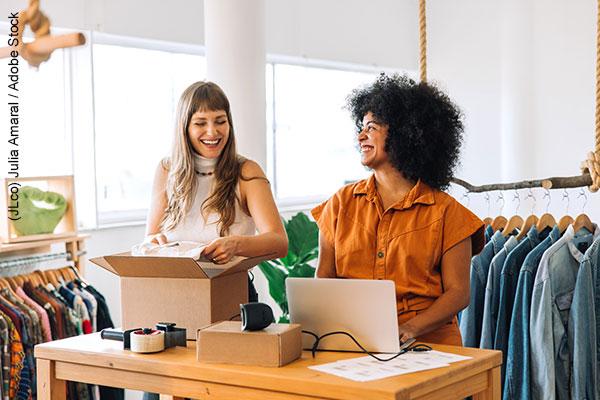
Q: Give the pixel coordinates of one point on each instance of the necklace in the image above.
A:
(204, 173)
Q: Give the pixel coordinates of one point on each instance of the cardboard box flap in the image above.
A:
(238, 264)
(126, 265)
(152, 267)
(103, 263)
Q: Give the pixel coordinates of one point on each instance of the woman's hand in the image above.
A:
(407, 331)
(222, 250)
(157, 238)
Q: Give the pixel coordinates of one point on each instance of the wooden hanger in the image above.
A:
(583, 221)
(527, 224)
(546, 221)
(41, 276)
(514, 222)
(488, 220)
(499, 223)
(564, 223)
(11, 282)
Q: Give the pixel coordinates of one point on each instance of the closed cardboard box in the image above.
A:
(225, 342)
(190, 293)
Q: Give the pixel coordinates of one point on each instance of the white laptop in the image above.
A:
(362, 307)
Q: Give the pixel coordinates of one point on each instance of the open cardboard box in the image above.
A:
(188, 292)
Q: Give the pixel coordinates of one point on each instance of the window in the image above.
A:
(314, 145)
(135, 93)
(44, 141)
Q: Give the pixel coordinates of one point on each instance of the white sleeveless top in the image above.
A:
(193, 227)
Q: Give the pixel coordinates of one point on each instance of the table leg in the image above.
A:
(48, 387)
(493, 391)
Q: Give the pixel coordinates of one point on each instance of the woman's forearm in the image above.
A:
(261, 244)
(439, 313)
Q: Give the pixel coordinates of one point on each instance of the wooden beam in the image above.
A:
(566, 182)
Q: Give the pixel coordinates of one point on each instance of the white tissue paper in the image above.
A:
(171, 249)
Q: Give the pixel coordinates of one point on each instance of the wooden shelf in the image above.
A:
(8, 248)
(74, 245)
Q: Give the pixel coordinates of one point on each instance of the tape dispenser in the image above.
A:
(147, 340)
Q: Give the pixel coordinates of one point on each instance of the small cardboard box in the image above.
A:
(225, 342)
(190, 293)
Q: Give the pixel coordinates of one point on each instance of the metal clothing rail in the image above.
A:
(33, 259)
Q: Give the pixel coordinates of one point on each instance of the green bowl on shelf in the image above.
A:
(39, 211)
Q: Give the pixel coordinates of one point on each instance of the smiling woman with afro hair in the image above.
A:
(398, 224)
(424, 126)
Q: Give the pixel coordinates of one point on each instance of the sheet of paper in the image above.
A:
(363, 369)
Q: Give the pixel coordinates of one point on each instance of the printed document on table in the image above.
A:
(365, 369)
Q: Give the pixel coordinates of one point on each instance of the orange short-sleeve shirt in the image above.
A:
(404, 243)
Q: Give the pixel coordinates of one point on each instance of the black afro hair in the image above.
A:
(424, 126)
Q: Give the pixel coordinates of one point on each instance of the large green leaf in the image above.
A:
(303, 235)
(276, 278)
(302, 271)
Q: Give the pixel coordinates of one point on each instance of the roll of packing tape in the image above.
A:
(147, 341)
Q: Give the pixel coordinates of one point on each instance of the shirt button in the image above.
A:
(380, 254)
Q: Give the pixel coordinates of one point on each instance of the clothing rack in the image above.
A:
(41, 306)
(23, 253)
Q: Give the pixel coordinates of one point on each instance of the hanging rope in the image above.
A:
(422, 41)
(592, 164)
(44, 44)
(590, 168)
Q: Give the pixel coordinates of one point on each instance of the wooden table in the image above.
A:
(176, 372)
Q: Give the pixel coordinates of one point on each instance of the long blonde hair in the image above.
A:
(181, 180)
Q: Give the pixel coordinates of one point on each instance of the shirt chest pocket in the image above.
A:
(417, 245)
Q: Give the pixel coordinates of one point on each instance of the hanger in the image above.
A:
(41, 277)
(526, 226)
(546, 221)
(488, 220)
(564, 223)
(12, 285)
(514, 222)
(78, 276)
(499, 223)
(583, 221)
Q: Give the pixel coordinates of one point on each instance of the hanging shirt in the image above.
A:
(517, 384)
(472, 316)
(584, 327)
(550, 306)
(508, 285)
(404, 243)
(492, 295)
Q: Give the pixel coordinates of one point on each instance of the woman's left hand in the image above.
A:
(222, 250)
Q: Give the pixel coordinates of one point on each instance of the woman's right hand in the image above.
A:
(157, 238)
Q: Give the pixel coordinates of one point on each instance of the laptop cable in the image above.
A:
(405, 347)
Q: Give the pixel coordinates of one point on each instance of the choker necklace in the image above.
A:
(204, 173)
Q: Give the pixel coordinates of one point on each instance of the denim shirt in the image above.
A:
(517, 385)
(584, 327)
(492, 295)
(488, 233)
(472, 316)
(508, 286)
(550, 306)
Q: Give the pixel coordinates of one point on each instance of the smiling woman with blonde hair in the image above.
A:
(206, 192)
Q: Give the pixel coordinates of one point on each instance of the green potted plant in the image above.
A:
(303, 236)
